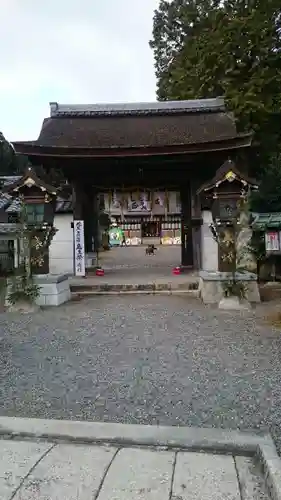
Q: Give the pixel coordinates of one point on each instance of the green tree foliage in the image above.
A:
(267, 198)
(7, 154)
(14, 164)
(10, 162)
(208, 48)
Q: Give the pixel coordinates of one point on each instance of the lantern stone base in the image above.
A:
(54, 289)
(234, 304)
(211, 286)
(90, 260)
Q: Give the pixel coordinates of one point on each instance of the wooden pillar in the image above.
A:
(95, 220)
(88, 219)
(187, 258)
(87, 209)
(78, 195)
(197, 222)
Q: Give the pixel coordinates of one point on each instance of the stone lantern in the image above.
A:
(226, 237)
(37, 203)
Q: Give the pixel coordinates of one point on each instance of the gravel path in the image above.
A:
(166, 360)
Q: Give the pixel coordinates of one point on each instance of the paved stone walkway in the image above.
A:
(31, 470)
(120, 258)
(131, 265)
(142, 359)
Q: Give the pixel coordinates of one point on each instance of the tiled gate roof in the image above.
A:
(264, 221)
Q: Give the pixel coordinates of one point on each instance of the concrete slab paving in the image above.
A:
(201, 476)
(68, 473)
(91, 472)
(58, 470)
(16, 461)
(139, 474)
(251, 484)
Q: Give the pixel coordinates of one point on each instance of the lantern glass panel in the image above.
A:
(227, 209)
(35, 213)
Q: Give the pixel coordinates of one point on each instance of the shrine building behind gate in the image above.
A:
(144, 163)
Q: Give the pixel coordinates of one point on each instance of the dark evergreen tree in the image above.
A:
(209, 48)
(7, 156)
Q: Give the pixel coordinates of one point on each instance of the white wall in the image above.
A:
(61, 248)
(209, 246)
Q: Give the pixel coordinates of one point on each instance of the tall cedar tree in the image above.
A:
(209, 48)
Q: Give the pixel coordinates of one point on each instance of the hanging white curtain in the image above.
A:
(159, 199)
(115, 200)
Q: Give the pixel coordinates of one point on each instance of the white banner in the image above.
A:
(272, 241)
(116, 202)
(159, 199)
(79, 248)
(139, 203)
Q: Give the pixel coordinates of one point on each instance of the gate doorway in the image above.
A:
(155, 219)
(135, 259)
(131, 266)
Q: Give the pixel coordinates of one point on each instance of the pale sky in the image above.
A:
(71, 51)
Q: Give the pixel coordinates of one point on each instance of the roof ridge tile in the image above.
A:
(138, 108)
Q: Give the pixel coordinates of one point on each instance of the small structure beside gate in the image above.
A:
(31, 234)
(225, 196)
(267, 228)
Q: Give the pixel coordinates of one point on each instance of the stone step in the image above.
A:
(190, 288)
(89, 293)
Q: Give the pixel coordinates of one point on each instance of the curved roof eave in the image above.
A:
(32, 148)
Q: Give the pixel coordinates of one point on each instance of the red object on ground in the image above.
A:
(99, 272)
(176, 270)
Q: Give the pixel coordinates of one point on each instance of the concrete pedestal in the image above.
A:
(211, 286)
(90, 259)
(54, 289)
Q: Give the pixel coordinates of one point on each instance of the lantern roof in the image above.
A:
(228, 173)
(29, 180)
